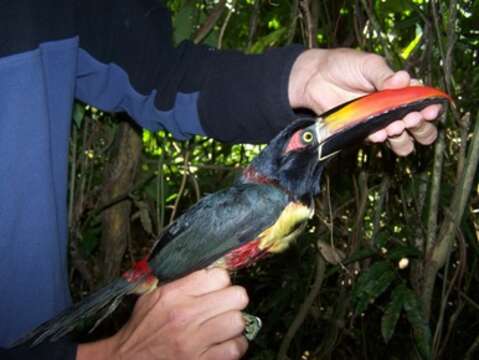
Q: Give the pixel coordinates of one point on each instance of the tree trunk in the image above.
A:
(118, 180)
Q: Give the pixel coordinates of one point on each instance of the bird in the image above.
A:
(261, 214)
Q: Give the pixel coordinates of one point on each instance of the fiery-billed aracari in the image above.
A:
(261, 214)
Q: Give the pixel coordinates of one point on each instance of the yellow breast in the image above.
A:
(286, 229)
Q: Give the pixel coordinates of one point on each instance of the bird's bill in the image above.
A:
(352, 122)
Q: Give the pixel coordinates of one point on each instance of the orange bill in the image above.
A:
(352, 122)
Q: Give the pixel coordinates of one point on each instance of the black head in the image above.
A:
(291, 160)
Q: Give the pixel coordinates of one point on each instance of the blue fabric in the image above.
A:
(107, 87)
(37, 89)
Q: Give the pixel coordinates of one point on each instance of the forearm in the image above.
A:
(187, 89)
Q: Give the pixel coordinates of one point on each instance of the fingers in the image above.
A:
(221, 301)
(223, 327)
(195, 311)
(196, 284)
(402, 145)
(397, 80)
(399, 140)
(431, 112)
(200, 282)
(425, 133)
(376, 71)
(395, 128)
(230, 350)
(379, 136)
(412, 119)
(191, 318)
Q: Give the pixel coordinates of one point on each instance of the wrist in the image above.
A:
(98, 350)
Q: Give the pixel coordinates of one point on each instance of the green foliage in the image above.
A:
(371, 284)
(415, 315)
(78, 114)
(405, 298)
(184, 22)
(392, 312)
(270, 40)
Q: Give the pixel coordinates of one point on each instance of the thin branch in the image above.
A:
(431, 234)
(223, 27)
(160, 197)
(464, 126)
(446, 234)
(196, 186)
(304, 309)
(456, 280)
(210, 22)
(474, 347)
(293, 21)
(378, 210)
(253, 23)
(437, 254)
(305, 7)
(123, 196)
(182, 186)
(362, 204)
(377, 27)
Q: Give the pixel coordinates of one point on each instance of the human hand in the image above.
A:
(322, 79)
(196, 317)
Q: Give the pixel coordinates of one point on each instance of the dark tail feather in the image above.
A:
(104, 300)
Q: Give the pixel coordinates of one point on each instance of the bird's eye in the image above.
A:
(308, 137)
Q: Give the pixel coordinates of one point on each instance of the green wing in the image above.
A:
(217, 224)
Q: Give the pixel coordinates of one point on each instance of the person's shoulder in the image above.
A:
(29, 24)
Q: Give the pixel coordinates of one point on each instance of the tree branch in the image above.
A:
(304, 309)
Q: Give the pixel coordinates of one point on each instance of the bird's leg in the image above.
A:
(253, 326)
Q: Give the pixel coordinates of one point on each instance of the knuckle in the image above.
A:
(374, 59)
(197, 277)
(233, 351)
(237, 348)
(200, 274)
(241, 296)
(220, 277)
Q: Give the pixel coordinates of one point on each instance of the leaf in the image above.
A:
(412, 45)
(415, 316)
(269, 40)
(330, 253)
(392, 312)
(361, 254)
(372, 283)
(78, 114)
(184, 22)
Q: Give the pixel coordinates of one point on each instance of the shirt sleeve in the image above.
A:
(62, 349)
(127, 62)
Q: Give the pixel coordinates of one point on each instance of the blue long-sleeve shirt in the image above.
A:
(116, 55)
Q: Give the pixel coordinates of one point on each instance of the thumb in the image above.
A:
(397, 80)
(378, 73)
